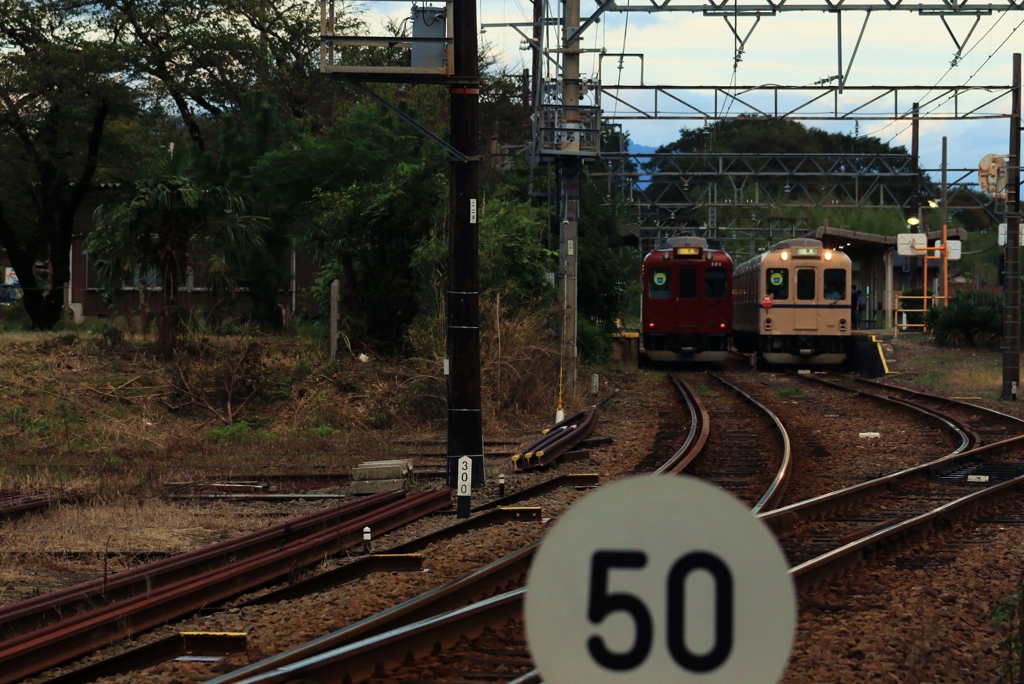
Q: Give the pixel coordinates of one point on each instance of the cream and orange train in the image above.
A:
(791, 304)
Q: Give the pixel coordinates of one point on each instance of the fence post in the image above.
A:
(335, 296)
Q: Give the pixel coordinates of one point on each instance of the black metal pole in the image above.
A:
(1011, 273)
(465, 427)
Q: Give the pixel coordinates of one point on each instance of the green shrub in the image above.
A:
(790, 392)
(323, 431)
(972, 319)
(592, 343)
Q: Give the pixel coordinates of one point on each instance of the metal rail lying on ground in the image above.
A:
(559, 438)
(67, 639)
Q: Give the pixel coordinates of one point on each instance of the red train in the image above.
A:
(687, 302)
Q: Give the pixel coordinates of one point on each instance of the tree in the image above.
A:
(169, 226)
(369, 213)
(58, 95)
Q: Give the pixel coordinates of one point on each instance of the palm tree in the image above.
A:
(169, 225)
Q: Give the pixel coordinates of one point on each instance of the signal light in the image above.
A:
(651, 324)
(721, 325)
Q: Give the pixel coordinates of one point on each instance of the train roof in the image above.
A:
(688, 247)
(688, 241)
(796, 242)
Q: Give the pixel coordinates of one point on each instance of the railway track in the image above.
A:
(988, 425)
(737, 455)
(485, 642)
(95, 622)
(436, 637)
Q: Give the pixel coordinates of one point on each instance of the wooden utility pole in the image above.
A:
(465, 426)
(1011, 274)
(569, 180)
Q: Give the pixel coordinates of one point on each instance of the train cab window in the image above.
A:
(835, 284)
(777, 283)
(660, 286)
(715, 283)
(805, 278)
(687, 283)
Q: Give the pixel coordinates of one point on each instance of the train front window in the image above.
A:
(660, 286)
(687, 283)
(715, 283)
(835, 284)
(805, 283)
(777, 283)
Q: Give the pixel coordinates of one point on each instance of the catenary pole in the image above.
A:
(1011, 273)
(465, 427)
(569, 178)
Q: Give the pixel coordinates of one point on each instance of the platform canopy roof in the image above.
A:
(870, 242)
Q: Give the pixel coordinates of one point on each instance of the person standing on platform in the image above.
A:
(856, 306)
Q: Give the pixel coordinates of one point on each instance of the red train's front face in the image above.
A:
(687, 299)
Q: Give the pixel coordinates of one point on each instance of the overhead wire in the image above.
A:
(952, 66)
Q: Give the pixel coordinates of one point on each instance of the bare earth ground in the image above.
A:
(111, 425)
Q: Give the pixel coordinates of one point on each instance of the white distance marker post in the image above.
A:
(367, 543)
(660, 579)
(465, 490)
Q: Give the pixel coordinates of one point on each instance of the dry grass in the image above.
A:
(961, 372)
(100, 411)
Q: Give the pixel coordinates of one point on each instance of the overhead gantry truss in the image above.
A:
(814, 103)
(668, 188)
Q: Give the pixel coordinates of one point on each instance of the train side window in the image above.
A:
(687, 283)
(777, 283)
(805, 283)
(835, 284)
(660, 286)
(715, 283)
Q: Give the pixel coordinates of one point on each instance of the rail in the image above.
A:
(777, 489)
(80, 634)
(968, 438)
(696, 438)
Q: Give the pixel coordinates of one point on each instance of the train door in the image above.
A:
(806, 315)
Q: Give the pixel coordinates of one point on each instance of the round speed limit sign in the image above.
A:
(660, 579)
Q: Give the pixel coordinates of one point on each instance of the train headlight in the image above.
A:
(785, 256)
(828, 255)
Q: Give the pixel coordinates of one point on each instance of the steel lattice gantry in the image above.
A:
(667, 187)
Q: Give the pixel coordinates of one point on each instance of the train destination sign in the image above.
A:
(660, 579)
(767, 301)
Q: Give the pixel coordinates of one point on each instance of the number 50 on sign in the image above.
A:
(660, 579)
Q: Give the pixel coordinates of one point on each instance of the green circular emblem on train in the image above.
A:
(776, 279)
(660, 279)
